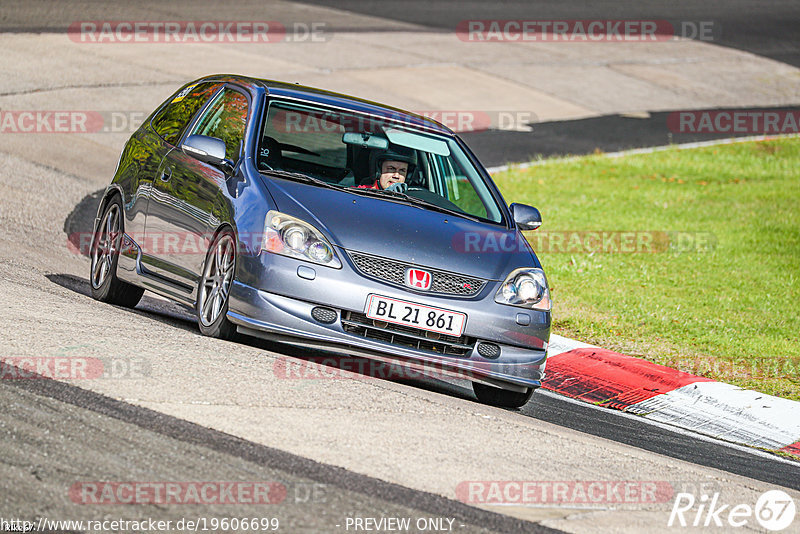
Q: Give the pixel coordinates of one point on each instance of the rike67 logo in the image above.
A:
(774, 510)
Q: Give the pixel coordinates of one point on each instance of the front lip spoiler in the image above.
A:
(422, 364)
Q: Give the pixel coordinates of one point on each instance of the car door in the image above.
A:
(162, 136)
(185, 204)
(147, 148)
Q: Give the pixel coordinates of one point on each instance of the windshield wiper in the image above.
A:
(300, 177)
(417, 202)
(436, 207)
(380, 193)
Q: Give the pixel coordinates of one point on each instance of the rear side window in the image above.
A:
(225, 119)
(171, 120)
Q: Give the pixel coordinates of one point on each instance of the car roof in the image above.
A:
(330, 98)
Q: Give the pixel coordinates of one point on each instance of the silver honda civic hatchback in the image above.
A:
(326, 221)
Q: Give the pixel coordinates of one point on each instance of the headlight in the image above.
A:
(289, 236)
(526, 288)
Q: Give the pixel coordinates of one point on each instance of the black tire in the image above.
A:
(501, 397)
(104, 255)
(213, 290)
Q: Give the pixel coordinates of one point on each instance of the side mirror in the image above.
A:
(209, 150)
(526, 217)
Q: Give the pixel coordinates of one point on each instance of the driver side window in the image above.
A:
(172, 119)
(225, 119)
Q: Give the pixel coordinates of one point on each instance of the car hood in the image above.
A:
(405, 232)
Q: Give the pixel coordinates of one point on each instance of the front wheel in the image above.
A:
(215, 286)
(106, 287)
(501, 397)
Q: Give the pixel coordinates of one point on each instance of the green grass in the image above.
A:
(729, 310)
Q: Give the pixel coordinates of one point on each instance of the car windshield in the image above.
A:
(347, 150)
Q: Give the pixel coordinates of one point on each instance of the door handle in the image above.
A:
(166, 174)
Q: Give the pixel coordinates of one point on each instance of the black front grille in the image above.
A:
(360, 324)
(394, 272)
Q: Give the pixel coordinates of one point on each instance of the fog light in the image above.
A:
(324, 315)
(489, 350)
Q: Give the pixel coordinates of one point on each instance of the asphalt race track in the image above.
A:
(314, 492)
(189, 409)
(765, 30)
(547, 407)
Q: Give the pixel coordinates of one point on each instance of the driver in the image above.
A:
(393, 167)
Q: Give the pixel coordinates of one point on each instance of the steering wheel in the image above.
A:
(398, 187)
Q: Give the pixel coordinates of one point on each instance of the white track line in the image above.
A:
(727, 412)
(649, 150)
(671, 428)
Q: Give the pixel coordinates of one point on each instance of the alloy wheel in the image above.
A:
(217, 279)
(105, 246)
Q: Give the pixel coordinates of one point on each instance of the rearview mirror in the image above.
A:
(365, 140)
(207, 149)
(526, 217)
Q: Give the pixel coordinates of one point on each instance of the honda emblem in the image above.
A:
(418, 279)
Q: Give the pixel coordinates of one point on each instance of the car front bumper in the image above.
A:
(273, 297)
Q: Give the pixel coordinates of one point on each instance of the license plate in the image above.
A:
(415, 315)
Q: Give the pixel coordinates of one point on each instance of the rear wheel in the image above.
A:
(215, 286)
(501, 397)
(106, 287)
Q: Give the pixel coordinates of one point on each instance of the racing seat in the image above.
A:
(363, 166)
(269, 155)
(416, 179)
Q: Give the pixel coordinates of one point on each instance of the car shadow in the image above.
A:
(157, 308)
(307, 363)
(314, 364)
(79, 224)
